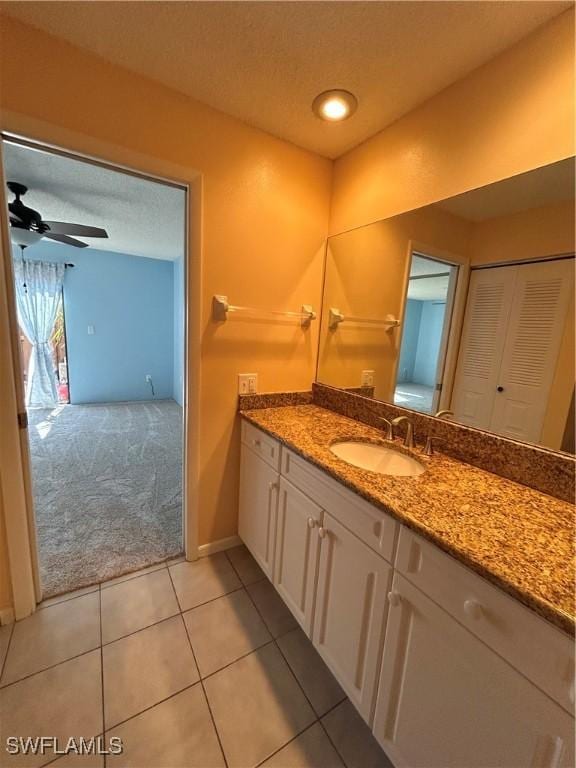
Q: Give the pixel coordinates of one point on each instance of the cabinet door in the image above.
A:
(257, 511)
(350, 611)
(297, 552)
(445, 700)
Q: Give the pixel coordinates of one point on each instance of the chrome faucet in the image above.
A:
(388, 427)
(444, 414)
(409, 439)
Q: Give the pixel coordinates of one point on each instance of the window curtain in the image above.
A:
(38, 291)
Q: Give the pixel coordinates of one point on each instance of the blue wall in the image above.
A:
(178, 333)
(421, 339)
(130, 302)
(429, 338)
(409, 346)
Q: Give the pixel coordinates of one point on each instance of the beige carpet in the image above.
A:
(107, 485)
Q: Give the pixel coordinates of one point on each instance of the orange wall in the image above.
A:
(266, 202)
(511, 115)
(367, 276)
(264, 221)
(544, 231)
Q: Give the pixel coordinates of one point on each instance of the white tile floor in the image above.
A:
(193, 665)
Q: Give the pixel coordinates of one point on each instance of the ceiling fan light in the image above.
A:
(24, 237)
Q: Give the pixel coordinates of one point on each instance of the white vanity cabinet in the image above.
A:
(461, 659)
(297, 548)
(446, 700)
(447, 669)
(351, 605)
(259, 482)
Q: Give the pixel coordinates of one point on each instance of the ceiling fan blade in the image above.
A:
(65, 228)
(66, 240)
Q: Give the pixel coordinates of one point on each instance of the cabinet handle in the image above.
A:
(312, 523)
(273, 486)
(256, 443)
(473, 609)
(394, 599)
(322, 532)
(571, 693)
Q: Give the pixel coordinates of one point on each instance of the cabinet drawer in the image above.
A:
(375, 528)
(542, 653)
(262, 444)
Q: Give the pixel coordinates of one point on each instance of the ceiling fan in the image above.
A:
(28, 227)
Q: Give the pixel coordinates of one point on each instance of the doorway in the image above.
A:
(107, 451)
(427, 318)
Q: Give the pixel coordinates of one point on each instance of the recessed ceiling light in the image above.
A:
(334, 105)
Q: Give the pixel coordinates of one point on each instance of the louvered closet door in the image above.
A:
(535, 329)
(489, 300)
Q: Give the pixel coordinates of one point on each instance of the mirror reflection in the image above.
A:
(465, 306)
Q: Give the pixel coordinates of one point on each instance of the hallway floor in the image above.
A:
(192, 665)
(107, 486)
(416, 396)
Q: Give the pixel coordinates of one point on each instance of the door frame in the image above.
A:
(458, 291)
(15, 482)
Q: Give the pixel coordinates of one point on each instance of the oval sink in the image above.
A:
(378, 458)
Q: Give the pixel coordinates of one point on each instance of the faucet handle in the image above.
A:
(389, 428)
(429, 447)
(409, 439)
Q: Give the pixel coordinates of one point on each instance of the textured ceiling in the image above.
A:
(264, 62)
(142, 217)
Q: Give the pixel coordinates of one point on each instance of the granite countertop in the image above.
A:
(516, 537)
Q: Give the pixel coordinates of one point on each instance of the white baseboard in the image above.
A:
(6, 615)
(218, 546)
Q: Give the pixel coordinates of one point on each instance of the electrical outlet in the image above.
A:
(90, 330)
(247, 383)
(148, 378)
(367, 379)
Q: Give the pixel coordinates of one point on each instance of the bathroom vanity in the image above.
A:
(445, 619)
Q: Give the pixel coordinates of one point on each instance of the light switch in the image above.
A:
(367, 379)
(247, 383)
(90, 330)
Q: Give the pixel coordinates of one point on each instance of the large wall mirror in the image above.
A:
(466, 305)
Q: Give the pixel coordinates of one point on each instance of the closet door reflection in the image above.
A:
(514, 346)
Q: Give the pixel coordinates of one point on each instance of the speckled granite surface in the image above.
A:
(516, 537)
(273, 400)
(540, 468)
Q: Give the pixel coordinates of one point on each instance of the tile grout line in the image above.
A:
(341, 756)
(201, 679)
(199, 676)
(47, 669)
(151, 706)
(244, 655)
(102, 673)
(59, 599)
(109, 642)
(275, 641)
(296, 736)
(99, 585)
(5, 660)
